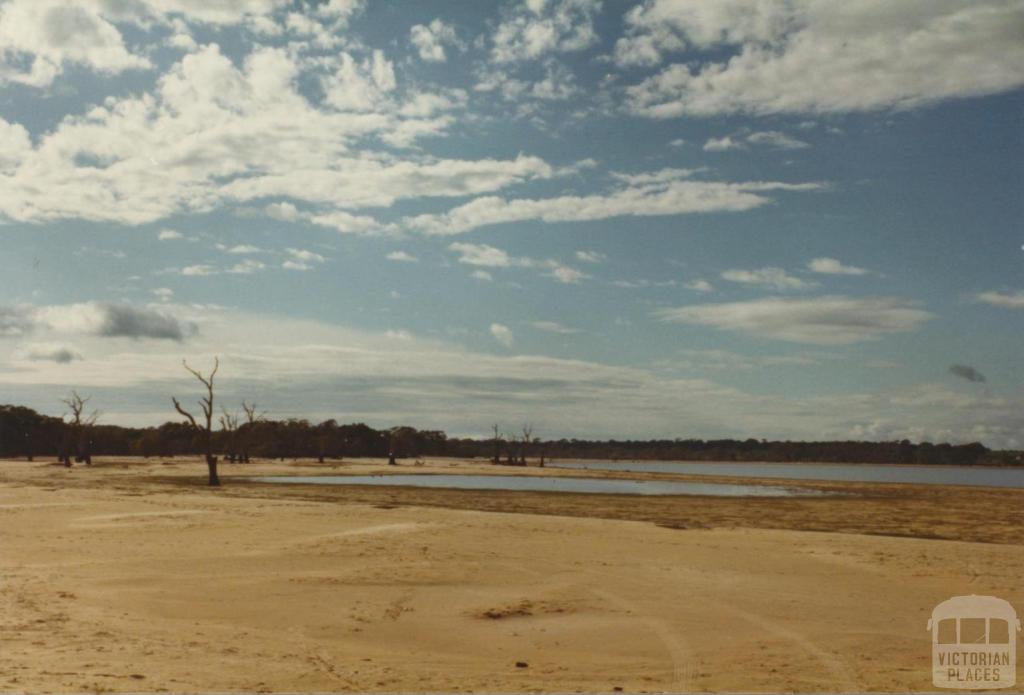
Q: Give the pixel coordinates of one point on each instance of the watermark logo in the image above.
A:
(974, 643)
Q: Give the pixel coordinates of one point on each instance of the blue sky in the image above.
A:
(610, 219)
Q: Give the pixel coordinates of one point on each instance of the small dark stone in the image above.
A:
(522, 664)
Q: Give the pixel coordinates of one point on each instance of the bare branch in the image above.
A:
(177, 406)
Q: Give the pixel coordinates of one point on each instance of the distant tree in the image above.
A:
(80, 426)
(229, 424)
(205, 432)
(247, 433)
(525, 443)
(496, 459)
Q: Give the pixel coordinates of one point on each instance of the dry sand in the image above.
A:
(130, 576)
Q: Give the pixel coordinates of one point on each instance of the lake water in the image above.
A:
(856, 472)
(549, 484)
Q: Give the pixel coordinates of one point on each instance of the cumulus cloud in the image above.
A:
(774, 278)
(967, 372)
(830, 266)
(302, 260)
(502, 333)
(38, 38)
(590, 256)
(168, 235)
(402, 257)
(482, 275)
(538, 27)
(198, 270)
(483, 255)
(723, 144)
(825, 320)
(491, 257)
(810, 56)
(671, 198)
(212, 133)
(763, 138)
(1004, 300)
(431, 39)
(247, 267)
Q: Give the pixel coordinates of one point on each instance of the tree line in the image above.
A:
(232, 438)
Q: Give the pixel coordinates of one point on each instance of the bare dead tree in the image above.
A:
(80, 423)
(525, 443)
(252, 416)
(497, 445)
(229, 424)
(206, 403)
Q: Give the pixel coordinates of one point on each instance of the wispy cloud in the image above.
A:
(502, 333)
(1004, 300)
(830, 266)
(773, 278)
(825, 320)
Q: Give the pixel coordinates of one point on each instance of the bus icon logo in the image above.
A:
(974, 643)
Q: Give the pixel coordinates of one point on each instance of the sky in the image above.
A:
(671, 218)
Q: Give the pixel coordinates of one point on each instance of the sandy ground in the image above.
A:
(129, 576)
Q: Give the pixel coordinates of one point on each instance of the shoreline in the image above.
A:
(135, 576)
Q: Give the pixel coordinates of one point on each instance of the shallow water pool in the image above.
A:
(549, 484)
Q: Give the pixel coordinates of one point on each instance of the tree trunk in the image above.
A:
(211, 464)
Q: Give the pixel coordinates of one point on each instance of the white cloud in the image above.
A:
(502, 333)
(825, 320)
(774, 138)
(482, 275)
(39, 37)
(286, 212)
(482, 255)
(817, 56)
(402, 256)
(774, 278)
(699, 285)
(164, 294)
(567, 275)
(359, 86)
(830, 266)
(305, 256)
(212, 133)
(673, 198)
(764, 138)
(168, 235)
(198, 269)
(722, 144)
(534, 29)
(247, 267)
(554, 327)
(240, 249)
(296, 265)
(1005, 300)
(491, 257)
(431, 39)
(590, 256)
(656, 177)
